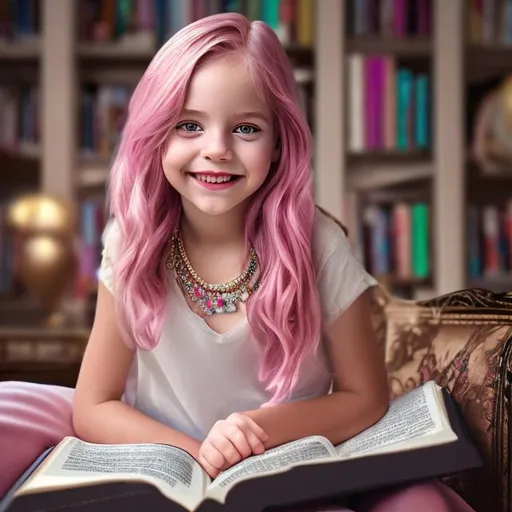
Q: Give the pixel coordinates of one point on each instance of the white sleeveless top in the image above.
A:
(195, 376)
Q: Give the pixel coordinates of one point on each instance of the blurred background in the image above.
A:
(410, 106)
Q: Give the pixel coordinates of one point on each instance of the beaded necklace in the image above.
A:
(212, 298)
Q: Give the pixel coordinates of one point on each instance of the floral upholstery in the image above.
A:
(463, 341)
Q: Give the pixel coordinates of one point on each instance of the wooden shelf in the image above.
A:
(19, 167)
(115, 51)
(491, 47)
(407, 47)
(29, 50)
(368, 171)
(487, 61)
(130, 75)
(389, 156)
(143, 52)
(495, 284)
(403, 282)
(93, 172)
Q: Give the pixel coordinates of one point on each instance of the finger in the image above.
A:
(213, 472)
(257, 446)
(239, 440)
(211, 454)
(246, 425)
(226, 447)
(242, 420)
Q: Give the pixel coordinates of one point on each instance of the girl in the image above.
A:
(212, 184)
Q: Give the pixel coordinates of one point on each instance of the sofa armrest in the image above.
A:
(463, 341)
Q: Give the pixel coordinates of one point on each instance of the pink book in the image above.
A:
(373, 91)
(402, 239)
(145, 15)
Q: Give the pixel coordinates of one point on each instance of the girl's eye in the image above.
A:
(188, 127)
(246, 129)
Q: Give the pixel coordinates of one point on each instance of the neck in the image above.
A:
(212, 232)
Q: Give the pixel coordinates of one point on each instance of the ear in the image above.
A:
(277, 152)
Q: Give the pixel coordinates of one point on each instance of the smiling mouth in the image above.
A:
(212, 178)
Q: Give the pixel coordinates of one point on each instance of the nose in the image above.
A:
(217, 148)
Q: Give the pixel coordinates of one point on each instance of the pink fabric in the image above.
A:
(32, 418)
(430, 496)
(35, 416)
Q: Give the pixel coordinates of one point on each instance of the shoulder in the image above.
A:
(111, 237)
(329, 237)
(341, 275)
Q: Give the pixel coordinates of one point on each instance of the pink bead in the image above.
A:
(209, 303)
(220, 302)
(198, 292)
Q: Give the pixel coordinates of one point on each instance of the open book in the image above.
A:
(415, 423)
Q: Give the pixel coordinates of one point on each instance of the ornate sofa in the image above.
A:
(463, 341)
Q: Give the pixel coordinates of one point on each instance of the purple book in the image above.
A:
(399, 18)
(423, 13)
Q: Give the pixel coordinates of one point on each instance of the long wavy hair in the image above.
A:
(284, 314)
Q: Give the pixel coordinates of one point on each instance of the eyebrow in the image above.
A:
(200, 113)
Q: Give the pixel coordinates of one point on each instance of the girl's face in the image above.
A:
(221, 149)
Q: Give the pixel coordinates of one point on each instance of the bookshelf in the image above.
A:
(469, 49)
(437, 172)
(61, 61)
(64, 61)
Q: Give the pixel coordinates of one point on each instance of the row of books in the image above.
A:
(489, 21)
(393, 240)
(489, 240)
(20, 19)
(92, 219)
(388, 105)
(389, 18)
(103, 111)
(20, 118)
(152, 22)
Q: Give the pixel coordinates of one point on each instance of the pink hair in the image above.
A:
(284, 313)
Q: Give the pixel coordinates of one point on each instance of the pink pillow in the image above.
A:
(32, 418)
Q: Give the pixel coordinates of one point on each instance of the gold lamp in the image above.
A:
(47, 260)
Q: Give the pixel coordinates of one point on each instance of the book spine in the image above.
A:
(356, 105)
(390, 105)
(420, 236)
(421, 97)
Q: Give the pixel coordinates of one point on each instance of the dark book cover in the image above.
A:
(307, 487)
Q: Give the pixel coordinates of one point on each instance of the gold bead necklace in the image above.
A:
(212, 298)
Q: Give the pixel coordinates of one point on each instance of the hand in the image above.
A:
(230, 441)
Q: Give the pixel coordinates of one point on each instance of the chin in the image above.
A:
(215, 210)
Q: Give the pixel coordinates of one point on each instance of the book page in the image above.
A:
(275, 460)
(413, 420)
(75, 463)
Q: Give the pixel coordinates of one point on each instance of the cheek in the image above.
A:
(175, 156)
(259, 159)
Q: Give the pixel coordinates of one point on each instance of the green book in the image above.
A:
(420, 240)
(269, 12)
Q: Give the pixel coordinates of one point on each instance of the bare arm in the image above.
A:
(360, 394)
(99, 416)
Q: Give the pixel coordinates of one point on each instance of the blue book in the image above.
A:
(404, 84)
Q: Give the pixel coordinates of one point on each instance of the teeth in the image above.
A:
(212, 179)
